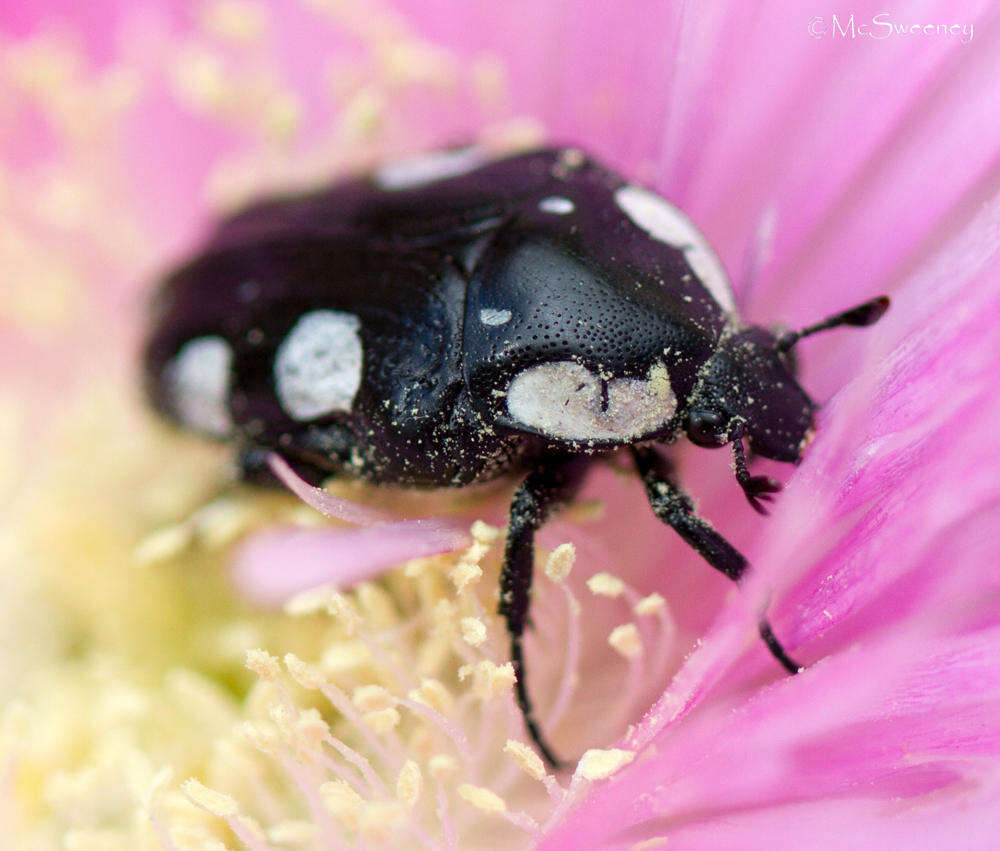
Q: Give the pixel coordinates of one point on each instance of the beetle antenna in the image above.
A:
(859, 316)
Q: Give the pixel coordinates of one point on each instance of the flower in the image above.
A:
(824, 169)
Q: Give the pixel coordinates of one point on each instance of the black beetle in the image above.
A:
(450, 319)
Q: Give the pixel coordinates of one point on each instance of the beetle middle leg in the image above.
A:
(551, 483)
(674, 507)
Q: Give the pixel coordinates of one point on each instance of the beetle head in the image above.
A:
(748, 389)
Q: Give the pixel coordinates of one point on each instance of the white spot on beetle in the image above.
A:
(494, 316)
(420, 170)
(664, 222)
(556, 204)
(197, 381)
(317, 369)
(566, 400)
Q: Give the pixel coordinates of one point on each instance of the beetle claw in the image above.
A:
(758, 488)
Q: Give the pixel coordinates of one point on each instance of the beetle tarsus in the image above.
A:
(551, 483)
(524, 704)
(777, 651)
(759, 488)
(756, 488)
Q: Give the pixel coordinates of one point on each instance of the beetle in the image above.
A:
(451, 318)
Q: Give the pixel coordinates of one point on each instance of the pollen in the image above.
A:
(311, 730)
(263, 738)
(525, 757)
(163, 544)
(310, 602)
(345, 611)
(473, 631)
(372, 698)
(409, 783)
(484, 533)
(433, 693)
(649, 605)
(221, 522)
(606, 585)
(444, 617)
(342, 801)
(489, 680)
(626, 640)
(442, 767)
(345, 656)
(598, 764)
(469, 569)
(306, 675)
(376, 605)
(149, 791)
(263, 664)
(216, 803)
(379, 820)
(417, 567)
(383, 721)
(659, 381)
(293, 833)
(482, 799)
(466, 574)
(560, 562)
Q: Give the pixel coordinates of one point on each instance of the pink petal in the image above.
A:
(275, 565)
(905, 451)
(856, 824)
(924, 725)
(319, 499)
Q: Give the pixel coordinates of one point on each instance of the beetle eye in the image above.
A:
(704, 428)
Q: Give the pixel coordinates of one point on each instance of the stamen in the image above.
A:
(625, 639)
(488, 679)
(525, 757)
(225, 807)
(473, 631)
(444, 818)
(606, 585)
(409, 783)
(482, 799)
(453, 739)
(560, 562)
(651, 605)
(598, 764)
(571, 664)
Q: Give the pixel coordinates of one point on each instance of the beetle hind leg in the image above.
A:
(553, 482)
(675, 508)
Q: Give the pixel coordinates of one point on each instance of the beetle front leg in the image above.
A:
(755, 488)
(674, 507)
(553, 482)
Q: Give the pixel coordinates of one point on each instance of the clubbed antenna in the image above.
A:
(859, 316)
